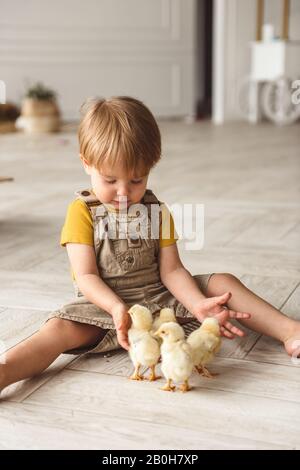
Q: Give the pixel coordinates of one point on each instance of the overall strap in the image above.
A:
(87, 196)
(150, 198)
(91, 200)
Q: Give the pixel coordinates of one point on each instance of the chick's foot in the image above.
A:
(136, 375)
(153, 375)
(185, 387)
(205, 372)
(168, 387)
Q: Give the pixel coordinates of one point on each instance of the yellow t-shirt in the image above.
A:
(78, 226)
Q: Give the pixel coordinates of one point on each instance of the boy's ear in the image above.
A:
(85, 164)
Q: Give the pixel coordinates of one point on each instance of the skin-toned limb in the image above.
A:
(136, 375)
(217, 307)
(185, 387)
(185, 289)
(36, 353)
(153, 375)
(265, 318)
(84, 266)
(168, 387)
(122, 323)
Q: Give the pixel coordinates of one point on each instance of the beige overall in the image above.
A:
(129, 266)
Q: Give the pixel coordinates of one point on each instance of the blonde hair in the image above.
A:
(119, 131)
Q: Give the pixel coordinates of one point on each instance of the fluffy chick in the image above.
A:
(205, 342)
(143, 347)
(166, 315)
(177, 362)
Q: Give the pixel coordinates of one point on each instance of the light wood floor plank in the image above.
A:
(203, 409)
(240, 261)
(17, 324)
(33, 427)
(241, 376)
(34, 290)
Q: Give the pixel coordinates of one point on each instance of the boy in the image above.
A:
(114, 267)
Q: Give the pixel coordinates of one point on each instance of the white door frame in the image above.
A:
(225, 30)
(218, 75)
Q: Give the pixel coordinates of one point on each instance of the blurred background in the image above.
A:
(184, 58)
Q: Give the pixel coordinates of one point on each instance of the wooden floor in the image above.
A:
(249, 180)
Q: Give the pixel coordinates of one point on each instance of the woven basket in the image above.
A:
(34, 107)
(40, 116)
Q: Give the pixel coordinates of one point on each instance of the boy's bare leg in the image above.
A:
(36, 353)
(265, 318)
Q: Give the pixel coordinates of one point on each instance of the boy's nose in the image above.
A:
(123, 191)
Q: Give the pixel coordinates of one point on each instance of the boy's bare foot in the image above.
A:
(292, 342)
(292, 346)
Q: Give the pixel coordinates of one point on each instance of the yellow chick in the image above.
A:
(166, 314)
(143, 347)
(205, 343)
(177, 362)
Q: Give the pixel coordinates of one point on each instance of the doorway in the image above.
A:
(205, 58)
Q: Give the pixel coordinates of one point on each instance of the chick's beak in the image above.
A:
(157, 334)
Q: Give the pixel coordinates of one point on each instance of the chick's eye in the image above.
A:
(163, 332)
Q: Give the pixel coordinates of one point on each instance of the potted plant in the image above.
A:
(40, 112)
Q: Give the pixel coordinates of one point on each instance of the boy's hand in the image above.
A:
(215, 307)
(122, 323)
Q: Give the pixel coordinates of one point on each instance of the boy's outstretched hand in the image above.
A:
(215, 307)
(122, 323)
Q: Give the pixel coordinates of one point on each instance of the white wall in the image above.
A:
(143, 48)
(239, 29)
(273, 14)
